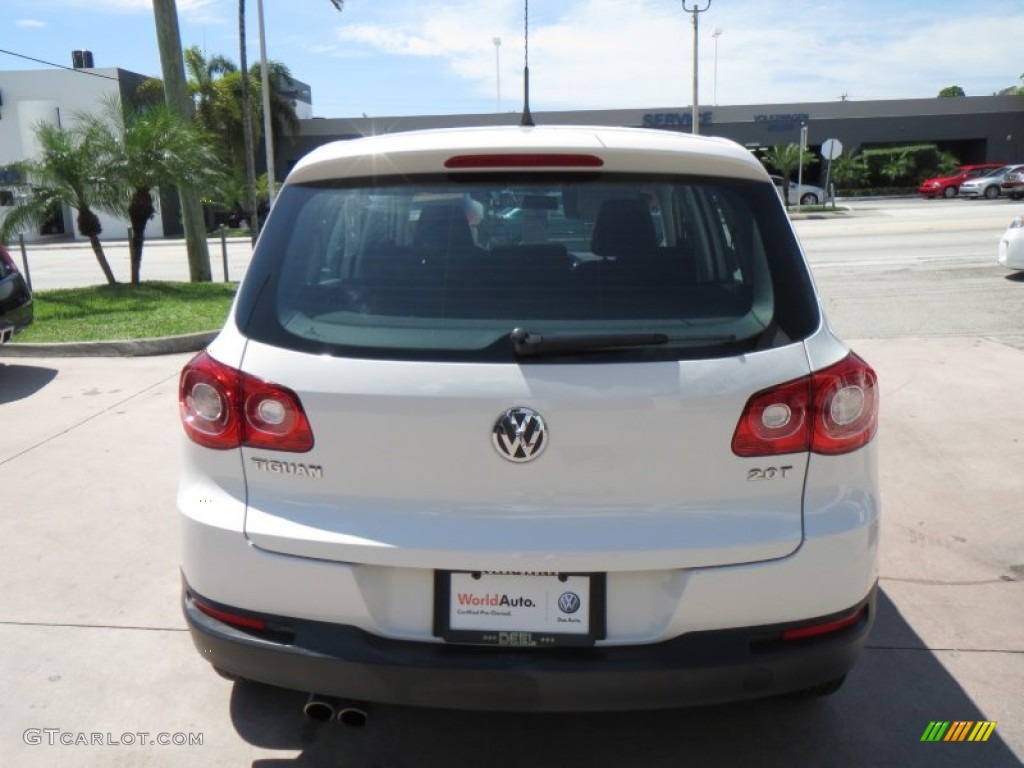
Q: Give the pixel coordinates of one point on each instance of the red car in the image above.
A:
(948, 186)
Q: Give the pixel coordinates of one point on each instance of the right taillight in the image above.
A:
(7, 264)
(830, 412)
(224, 408)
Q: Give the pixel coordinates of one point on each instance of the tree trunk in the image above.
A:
(165, 14)
(97, 248)
(89, 225)
(140, 211)
(250, 162)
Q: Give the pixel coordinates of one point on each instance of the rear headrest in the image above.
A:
(623, 226)
(443, 226)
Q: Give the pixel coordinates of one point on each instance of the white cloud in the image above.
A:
(634, 53)
(30, 24)
(184, 7)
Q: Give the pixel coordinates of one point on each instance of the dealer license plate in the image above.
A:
(526, 610)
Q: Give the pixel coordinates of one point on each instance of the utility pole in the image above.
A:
(497, 71)
(716, 34)
(165, 14)
(800, 166)
(695, 11)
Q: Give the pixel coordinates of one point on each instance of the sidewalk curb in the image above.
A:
(164, 345)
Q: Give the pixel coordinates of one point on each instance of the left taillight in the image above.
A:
(224, 408)
(830, 412)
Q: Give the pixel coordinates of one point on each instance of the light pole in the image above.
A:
(695, 10)
(497, 70)
(268, 137)
(716, 34)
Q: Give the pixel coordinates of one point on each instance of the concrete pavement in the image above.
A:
(95, 644)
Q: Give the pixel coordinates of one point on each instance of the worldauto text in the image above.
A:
(504, 601)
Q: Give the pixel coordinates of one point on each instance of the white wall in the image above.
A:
(55, 96)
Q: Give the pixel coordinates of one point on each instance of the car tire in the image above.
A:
(991, 192)
(949, 192)
(809, 199)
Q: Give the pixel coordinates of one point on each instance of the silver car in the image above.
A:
(987, 186)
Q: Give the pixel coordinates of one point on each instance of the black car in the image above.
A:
(15, 298)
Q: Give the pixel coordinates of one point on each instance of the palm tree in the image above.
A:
(850, 170)
(247, 119)
(282, 112)
(69, 173)
(785, 158)
(897, 166)
(143, 149)
(203, 75)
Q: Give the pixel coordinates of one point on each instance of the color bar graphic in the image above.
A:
(935, 731)
(982, 730)
(958, 730)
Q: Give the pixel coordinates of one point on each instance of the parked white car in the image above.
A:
(1011, 245)
(805, 194)
(618, 463)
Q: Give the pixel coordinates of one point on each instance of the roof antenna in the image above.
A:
(527, 118)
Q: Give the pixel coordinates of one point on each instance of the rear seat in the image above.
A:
(444, 274)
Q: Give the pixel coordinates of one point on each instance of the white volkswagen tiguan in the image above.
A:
(603, 453)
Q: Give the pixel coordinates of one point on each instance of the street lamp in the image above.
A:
(695, 10)
(268, 137)
(716, 34)
(497, 70)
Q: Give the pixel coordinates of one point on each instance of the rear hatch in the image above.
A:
(554, 390)
(635, 468)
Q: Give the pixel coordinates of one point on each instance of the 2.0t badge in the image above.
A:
(519, 435)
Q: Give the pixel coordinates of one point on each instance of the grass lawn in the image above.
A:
(115, 312)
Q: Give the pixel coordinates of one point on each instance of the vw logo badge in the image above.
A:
(519, 435)
(569, 602)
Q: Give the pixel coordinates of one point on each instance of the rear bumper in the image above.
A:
(704, 667)
(16, 312)
(14, 321)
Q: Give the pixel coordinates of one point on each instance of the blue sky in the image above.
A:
(408, 57)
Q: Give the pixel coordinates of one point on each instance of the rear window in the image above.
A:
(454, 267)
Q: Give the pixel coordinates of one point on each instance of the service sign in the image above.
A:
(520, 609)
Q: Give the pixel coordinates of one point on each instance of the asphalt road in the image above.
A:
(94, 643)
(922, 268)
(59, 264)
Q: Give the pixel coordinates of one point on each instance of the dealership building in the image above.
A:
(974, 129)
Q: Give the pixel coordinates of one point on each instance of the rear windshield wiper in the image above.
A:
(526, 343)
